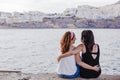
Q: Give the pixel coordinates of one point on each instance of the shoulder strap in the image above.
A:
(98, 54)
(98, 48)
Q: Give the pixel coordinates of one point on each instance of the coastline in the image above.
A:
(18, 75)
(10, 27)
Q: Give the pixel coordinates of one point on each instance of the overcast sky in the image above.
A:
(48, 6)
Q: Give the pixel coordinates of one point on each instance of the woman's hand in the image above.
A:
(58, 58)
(96, 68)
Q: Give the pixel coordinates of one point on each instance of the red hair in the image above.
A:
(66, 40)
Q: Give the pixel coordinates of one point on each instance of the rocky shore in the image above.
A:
(67, 22)
(17, 75)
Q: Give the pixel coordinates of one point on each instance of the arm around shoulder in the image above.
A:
(64, 55)
(77, 50)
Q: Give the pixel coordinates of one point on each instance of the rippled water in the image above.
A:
(35, 50)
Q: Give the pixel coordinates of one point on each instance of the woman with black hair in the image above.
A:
(90, 54)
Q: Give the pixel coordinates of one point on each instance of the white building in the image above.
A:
(36, 16)
(70, 11)
(32, 16)
(21, 17)
(2, 21)
(5, 15)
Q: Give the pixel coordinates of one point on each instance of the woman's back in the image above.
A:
(67, 66)
(89, 59)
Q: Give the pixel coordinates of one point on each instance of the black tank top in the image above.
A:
(88, 59)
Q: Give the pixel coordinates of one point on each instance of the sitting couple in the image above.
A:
(71, 64)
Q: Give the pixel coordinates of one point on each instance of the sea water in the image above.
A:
(36, 50)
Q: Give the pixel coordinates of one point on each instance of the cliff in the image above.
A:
(81, 17)
(89, 12)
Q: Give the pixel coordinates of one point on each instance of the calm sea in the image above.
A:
(35, 50)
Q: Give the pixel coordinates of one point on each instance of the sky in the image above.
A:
(48, 6)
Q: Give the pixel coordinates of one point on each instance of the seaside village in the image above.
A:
(71, 17)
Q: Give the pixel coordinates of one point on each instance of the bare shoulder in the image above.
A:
(95, 45)
(80, 45)
(95, 48)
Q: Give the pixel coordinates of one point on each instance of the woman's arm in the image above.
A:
(84, 65)
(69, 53)
(63, 55)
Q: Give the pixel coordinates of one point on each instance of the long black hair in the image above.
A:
(88, 38)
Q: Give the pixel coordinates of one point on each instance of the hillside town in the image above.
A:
(81, 17)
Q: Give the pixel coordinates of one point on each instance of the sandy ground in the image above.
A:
(17, 75)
